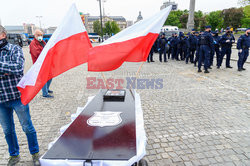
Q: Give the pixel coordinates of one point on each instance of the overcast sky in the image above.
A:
(17, 12)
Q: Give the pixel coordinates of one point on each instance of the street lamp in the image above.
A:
(39, 17)
(100, 4)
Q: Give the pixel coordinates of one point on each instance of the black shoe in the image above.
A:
(48, 96)
(178, 59)
(218, 67)
(243, 68)
(186, 62)
(206, 71)
(230, 67)
(199, 71)
(13, 160)
(195, 65)
(152, 61)
(165, 61)
(50, 91)
(148, 61)
(35, 158)
(239, 69)
(209, 67)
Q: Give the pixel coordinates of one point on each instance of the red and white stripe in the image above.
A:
(130, 45)
(68, 47)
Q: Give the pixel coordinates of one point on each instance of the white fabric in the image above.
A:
(70, 25)
(141, 28)
(140, 143)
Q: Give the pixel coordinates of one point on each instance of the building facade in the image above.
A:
(89, 21)
(168, 3)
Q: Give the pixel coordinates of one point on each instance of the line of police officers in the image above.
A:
(201, 47)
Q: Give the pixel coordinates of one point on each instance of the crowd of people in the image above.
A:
(201, 47)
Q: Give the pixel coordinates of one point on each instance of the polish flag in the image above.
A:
(68, 47)
(130, 45)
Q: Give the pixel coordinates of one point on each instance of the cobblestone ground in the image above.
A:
(196, 119)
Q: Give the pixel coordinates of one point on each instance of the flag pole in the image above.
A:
(105, 80)
(137, 73)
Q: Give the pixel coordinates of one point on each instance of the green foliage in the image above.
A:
(111, 28)
(215, 20)
(245, 21)
(232, 17)
(97, 27)
(174, 18)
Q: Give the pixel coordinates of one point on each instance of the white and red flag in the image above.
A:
(130, 45)
(68, 47)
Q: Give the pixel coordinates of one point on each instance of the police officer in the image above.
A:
(185, 47)
(180, 48)
(216, 49)
(170, 45)
(162, 47)
(206, 45)
(226, 42)
(243, 47)
(197, 55)
(192, 43)
(150, 56)
(174, 43)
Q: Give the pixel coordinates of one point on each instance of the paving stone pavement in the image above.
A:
(196, 119)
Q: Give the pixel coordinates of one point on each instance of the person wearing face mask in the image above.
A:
(36, 47)
(11, 72)
(206, 46)
(226, 42)
(243, 45)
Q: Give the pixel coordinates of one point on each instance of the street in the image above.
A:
(195, 119)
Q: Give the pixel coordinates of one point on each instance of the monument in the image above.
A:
(190, 23)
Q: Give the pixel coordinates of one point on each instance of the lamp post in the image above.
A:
(39, 17)
(100, 4)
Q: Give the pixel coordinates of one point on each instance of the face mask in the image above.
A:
(40, 38)
(248, 33)
(228, 32)
(3, 42)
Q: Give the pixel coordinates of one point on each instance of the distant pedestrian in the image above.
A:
(11, 72)
(36, 47)
(243, 45)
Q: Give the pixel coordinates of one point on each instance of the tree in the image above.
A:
(203, 23)
(245, 21)
(97, 27)
(244, 2)
(111, 28)
(232, 17)
(115, 27)
(184, 20)
(174, 18)
(215, 20)
(197, 19)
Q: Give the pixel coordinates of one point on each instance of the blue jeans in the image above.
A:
(45, 88)
(8, 125)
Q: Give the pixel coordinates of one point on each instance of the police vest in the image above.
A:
(204, 40)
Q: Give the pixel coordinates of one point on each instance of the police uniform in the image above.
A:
(192, 43)
(243, 44)
(170, 46)
(216, 49)
(206, 46)
(174, 43)
(226, 42)
(162, 48)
